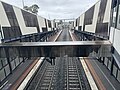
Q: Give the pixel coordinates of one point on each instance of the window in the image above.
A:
(0, 38)
(4, 61)
(17, 61)
(0, 34)
(118, 76)
(114, 70)
(13, 65)
(7, 70)
(49, 23)
(114, 16)
(106, 61)
(89, 16)
(109, 64)
(0, 64)
(2, 74)
(118, 18)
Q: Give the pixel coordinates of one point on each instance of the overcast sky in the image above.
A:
(57, 9)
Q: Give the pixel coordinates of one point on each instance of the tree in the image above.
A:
(26, 8)
(34, 8)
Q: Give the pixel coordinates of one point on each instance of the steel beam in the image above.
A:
(57, 49)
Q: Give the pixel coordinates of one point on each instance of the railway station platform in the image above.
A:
(41, 54)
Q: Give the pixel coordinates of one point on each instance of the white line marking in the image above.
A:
(57, 36)
(3, 85)
(71, 35)
(87, 72)
(27, 78)
(89, 76)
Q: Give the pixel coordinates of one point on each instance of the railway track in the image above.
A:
(66, 74)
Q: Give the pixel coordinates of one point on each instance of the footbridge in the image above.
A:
(56, 49)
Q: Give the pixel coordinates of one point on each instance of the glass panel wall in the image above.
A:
(2, 74)
(114, 70)
(7, 70)
(114, 16)
(118, 76)
(4, 68)
(0, 64)
(109, 63)
(106, 61)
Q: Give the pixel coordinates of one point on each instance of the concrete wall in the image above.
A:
(24, 30)
(41, 22)
(92, 27)
(16, 22)
(4, 20)
(96, 19)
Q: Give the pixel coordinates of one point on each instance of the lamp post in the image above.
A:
(23, 3)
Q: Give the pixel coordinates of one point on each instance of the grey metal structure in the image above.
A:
(56, 49)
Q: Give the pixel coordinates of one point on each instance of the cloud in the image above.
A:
(53, 9)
